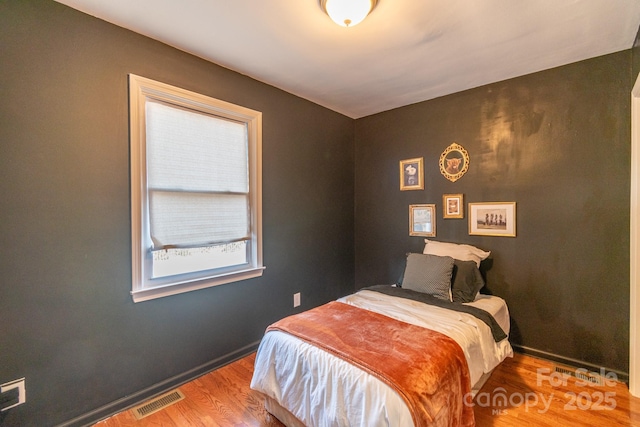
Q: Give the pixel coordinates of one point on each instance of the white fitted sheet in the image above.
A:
(323, 390)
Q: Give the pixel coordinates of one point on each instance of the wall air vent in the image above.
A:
(157, 404)
(589, 377)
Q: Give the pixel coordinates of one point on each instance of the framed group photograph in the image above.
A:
(492, 219)
(422, 220)
(412, 174)
(452, 206)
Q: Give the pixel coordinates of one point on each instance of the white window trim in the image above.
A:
(140, 90)
(634, 250)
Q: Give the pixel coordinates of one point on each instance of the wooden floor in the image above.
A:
(522, 391)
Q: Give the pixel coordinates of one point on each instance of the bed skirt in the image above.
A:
(283, 415)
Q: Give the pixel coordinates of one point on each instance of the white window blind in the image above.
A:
(198, 178)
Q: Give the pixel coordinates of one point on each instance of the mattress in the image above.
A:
(319, 389)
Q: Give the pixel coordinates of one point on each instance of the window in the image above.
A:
(196, 191)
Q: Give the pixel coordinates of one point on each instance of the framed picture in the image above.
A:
(454, 162)
(412, 174)
(492, 219)
(452, 206)
(422, 220)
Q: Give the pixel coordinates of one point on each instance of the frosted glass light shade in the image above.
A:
(348, 13)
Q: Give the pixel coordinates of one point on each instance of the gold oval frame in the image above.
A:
(454, 151)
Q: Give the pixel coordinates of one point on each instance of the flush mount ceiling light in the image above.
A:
(348, 13)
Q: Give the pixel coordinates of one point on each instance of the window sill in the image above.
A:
(178, 288)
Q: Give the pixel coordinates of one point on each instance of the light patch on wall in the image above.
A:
(515, 138)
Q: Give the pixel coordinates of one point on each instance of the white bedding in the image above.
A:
(323, 390)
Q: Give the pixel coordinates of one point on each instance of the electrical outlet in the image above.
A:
(16, 393)
(296, 299)
(9, 398)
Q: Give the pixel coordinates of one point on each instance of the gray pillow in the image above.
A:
(467, 281)
(429, 274)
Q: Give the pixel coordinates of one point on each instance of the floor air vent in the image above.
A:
(589, 377)
(157, 404)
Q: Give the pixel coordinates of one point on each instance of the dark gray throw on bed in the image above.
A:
(496, 330)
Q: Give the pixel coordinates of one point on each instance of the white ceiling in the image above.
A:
(405, 52)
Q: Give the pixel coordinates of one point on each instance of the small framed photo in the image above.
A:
(454, 162)
(492, 219)
(452, 206)
(412, 174)
(422, 220)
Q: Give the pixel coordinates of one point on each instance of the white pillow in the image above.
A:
(455, 251)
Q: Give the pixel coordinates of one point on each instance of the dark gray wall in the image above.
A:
(68, 322)
(557, 143)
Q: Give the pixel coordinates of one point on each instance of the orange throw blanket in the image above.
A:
(426, 368)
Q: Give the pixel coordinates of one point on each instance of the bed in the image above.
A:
(439, 335)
